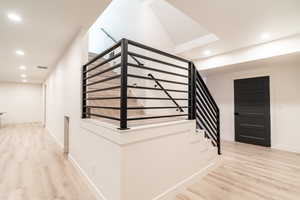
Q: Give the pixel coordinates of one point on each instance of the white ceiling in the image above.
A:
(283, 60)
(239, 24)
(47, 29)
(180, 27)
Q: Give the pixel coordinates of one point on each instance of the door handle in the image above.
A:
(236, 114)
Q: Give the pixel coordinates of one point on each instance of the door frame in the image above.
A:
(270, 105)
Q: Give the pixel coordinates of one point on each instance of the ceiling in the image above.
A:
(239, 24)
(284, 60)
(180, 27)
(45, 32)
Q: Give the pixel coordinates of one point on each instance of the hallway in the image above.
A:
(33, 168)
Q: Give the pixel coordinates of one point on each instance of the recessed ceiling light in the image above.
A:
(265, 36)
(207, 52)
(14, 17)
(20, 53)
(23, 75)
(24, 81)
(22, 67)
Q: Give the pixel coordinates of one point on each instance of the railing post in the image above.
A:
(123, 91)
(218, 132)
(192, 94)
(84, 109)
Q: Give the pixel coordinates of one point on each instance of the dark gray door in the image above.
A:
(252, 111)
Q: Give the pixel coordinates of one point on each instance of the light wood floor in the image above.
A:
(249, 172)
(32, 167)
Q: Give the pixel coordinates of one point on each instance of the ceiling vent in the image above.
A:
(42, 67)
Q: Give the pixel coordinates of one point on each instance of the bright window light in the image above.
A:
(14, 17)
(23, 75)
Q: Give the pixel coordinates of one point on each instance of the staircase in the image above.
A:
(127, 87)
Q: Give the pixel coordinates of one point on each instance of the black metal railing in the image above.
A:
(207, 112)
(196, 102)
(123, 86)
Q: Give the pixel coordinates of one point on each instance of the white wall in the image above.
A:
(137, 21)
(285, 101)
(21, 102)
(133, 20)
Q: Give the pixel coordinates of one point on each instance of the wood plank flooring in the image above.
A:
(249, 172)
(32, 167)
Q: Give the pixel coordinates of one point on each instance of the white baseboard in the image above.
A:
(91, 185)
(286, 148)
(171, 193)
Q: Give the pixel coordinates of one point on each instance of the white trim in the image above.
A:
(286, 148)
(174, 190)
(92, 186)
(201, 41)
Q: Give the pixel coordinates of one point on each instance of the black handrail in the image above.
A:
(166, 92)
(141, 65)
(201, 105)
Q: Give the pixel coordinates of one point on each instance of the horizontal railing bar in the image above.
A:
(205, 93)
(149, 88)
(103, 89)
(204, 97)
(157, 70)
(103, 80)
(104, 107)
(156, 51)
(103, 116)
(208, 130)
(156, 60)
(199, 125)
(102, 72)
(104, 53)
(158, 98)
(134, 108)
(199, 78)
(205, 107)
(161, 80)
(162, 107)
(156, 117)
(103, 63)
(212, 131)
(199, 108)
(102, 98)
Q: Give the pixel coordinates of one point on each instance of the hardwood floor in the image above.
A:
(32, 167)
(249, 172)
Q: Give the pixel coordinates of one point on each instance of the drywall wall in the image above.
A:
(285, 100)
(63, 98)
(21, 102)
(135, 21)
